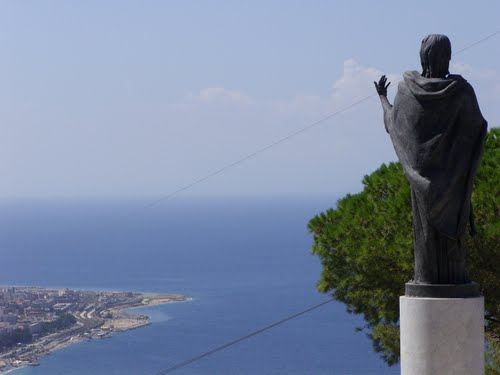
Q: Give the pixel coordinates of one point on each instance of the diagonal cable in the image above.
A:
(258, 151)
(257, 332)
(285, 138)
(476, 42)
(240, 339)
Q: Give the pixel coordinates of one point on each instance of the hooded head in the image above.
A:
(435, 55)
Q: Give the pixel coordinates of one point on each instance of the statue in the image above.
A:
(438, 134)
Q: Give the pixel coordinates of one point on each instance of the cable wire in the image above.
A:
(238, 340)
(220, 170)
(286, 138)
(476, 42)
(258, 151)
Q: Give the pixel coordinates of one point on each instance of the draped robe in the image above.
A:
(438, 134)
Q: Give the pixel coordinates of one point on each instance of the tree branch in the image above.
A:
(490, 318)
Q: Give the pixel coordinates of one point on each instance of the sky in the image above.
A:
(141, 98)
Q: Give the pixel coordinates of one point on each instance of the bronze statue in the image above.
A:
(438, 134)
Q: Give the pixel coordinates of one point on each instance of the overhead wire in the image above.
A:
(220, 170)
(240, 339)
(258, 151)
(285, 138)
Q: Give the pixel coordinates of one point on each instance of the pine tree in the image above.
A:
(365, 246)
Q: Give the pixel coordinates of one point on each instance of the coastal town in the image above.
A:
(36, 321)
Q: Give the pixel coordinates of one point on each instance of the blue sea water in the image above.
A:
(244, 261)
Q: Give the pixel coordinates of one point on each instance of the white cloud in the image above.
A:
(217, 126)
(221, 94)
(486, 83)
(300, 104)
(355, 75)
(356, 82)
(472, 73)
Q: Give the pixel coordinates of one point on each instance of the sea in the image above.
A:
(244, 261)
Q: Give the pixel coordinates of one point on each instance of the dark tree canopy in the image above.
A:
(365, 246)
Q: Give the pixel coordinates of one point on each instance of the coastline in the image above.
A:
(115, 320)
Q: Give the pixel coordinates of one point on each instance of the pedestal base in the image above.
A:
(442, 290)
(442, 336)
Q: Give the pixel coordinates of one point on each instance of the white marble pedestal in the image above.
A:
(442, 336)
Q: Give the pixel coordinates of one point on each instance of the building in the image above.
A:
(35, 328)
(9, 318)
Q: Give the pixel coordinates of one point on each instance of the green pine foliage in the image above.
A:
(365, 247)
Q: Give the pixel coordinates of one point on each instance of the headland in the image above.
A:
(35, 321)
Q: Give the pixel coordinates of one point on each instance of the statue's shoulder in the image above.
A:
(411, 75)
(465, 87)
(459, 79)
(407, 76)
(456, 77)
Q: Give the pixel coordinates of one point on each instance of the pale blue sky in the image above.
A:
(124, 98)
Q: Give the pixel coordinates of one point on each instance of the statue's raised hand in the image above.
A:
(381, 86)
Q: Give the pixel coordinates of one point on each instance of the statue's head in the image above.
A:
(435, 55)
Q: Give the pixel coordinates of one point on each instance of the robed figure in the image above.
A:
(438, 134)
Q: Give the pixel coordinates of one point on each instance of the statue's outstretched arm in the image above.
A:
(381, 88)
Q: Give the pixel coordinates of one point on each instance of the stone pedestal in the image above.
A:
(442, 336)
